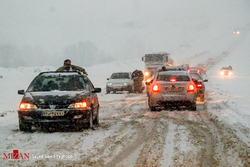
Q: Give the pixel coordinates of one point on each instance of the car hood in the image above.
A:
(54, 97)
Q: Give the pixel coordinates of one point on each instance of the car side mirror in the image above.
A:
(107, 78)
(205, 80)
(20, 92)
(97, 90)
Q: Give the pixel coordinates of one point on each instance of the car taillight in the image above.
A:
(198, 71)
(188, 70)
(27, 106)
(204, 69)
(199, 85)
(172, 80)
(191, 88)
(155, 88)
(83, 104)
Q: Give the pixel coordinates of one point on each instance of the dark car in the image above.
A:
(65, 98)
(200, 85)
(203, 68)
(210, 61)
(172, 89)
(195, 69)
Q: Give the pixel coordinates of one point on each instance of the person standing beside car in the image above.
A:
(69, 67)
(138, 77)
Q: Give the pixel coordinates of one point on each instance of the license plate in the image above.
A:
(174, 89)
(52, 113)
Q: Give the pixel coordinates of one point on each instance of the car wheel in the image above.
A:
(152, 108)
(24, 127)
(108, 91)
(91, 119)
(192, 107)
(96, 121)
(114, 91)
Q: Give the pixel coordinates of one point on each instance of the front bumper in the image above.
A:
(70, 116)
(119, 88)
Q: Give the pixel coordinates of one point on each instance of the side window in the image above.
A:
(89, 85)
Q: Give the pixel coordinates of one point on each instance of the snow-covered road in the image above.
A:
(217, 134)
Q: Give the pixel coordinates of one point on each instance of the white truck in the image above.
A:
(155, 60)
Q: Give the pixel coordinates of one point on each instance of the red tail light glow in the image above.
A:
(188, 70)
(156, 88)
(172, 80)
(199, 85)
(198, 71)
(191, 88)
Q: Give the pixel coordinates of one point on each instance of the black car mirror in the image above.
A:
(205, 80)
(107, 78)
(20, 92)
(97, 90)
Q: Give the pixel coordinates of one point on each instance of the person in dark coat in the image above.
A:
(69, 67)
(138, 77)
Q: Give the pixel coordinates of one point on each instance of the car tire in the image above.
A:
(152, 108)
(107, 91)
(96, 121)
(114, 92)
(24, 127)
(90, 124)
(192, 107)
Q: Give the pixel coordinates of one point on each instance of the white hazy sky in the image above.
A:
(124, 27)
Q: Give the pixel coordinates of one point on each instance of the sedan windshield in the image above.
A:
(120, 76)
(57, 82)
(169, 77)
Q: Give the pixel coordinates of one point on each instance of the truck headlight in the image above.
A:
(109, 84)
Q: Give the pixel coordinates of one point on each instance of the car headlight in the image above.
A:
(230, 73)
(146, 73)
(27, 106)
(222, 73)
(109, 84)
(125, 83)
(83, 104)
